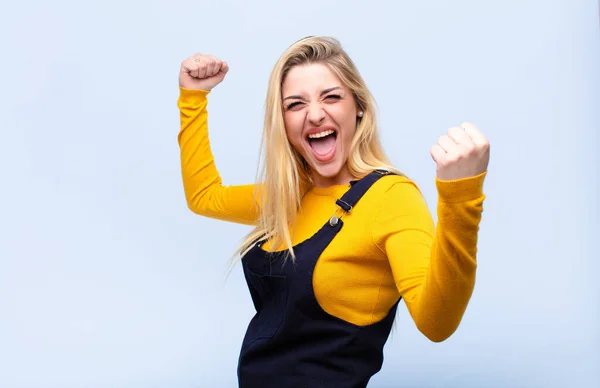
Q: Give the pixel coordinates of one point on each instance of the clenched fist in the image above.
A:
(463, 153)
(202, 72)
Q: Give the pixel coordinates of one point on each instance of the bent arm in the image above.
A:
(434, 268)
(203, 187)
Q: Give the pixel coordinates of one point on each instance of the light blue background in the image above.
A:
(106, 278)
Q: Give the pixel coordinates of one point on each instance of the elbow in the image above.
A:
(438, 331)
(198, 208)
(438, 337)
(197, 203)
(205, 198)
(192, 207)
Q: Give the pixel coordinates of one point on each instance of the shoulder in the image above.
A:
(398, 205)
(398, 196)
(395, 186)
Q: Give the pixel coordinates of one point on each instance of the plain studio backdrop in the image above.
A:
(108, 280)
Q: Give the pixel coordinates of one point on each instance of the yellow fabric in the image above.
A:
(387, 248)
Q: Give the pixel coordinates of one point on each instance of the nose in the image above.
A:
(316, 114)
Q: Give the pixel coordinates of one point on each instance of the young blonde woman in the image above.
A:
(340, 236)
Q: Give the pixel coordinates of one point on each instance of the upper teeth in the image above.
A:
(320, 134)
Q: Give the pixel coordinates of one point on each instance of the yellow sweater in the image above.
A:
(387, 248)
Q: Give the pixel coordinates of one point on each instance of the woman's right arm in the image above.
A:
(203, 187)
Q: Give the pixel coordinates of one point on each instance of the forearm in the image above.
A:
(450, 277)
(199, 172)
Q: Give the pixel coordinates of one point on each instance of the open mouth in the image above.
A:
(323, 144)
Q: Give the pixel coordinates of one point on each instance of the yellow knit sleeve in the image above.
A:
(204, 191)
(433, 266)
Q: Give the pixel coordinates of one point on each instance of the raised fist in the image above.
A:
(463, 153)
(202, 72)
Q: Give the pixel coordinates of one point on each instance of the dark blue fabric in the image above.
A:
(291, 341)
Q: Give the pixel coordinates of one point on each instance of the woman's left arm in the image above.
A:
(434, 268)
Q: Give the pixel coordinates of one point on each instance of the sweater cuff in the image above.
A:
(192, 96)
(460, 190)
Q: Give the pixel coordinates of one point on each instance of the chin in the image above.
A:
(328, 173)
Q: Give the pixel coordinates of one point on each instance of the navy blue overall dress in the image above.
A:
(291, 341)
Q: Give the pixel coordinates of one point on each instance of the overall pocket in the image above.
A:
(272, 292)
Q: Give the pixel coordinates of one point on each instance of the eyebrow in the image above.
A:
(322, 93)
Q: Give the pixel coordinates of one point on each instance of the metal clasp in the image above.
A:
(333, 221)
(345, 203)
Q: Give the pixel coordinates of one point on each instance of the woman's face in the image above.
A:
(320, 121)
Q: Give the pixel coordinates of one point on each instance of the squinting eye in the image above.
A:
(333, 96)
(293, 104)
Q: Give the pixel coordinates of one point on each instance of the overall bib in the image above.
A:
(291, 341)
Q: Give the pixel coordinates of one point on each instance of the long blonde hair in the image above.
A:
(285, 177)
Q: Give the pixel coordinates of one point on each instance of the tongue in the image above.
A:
(323, 145)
